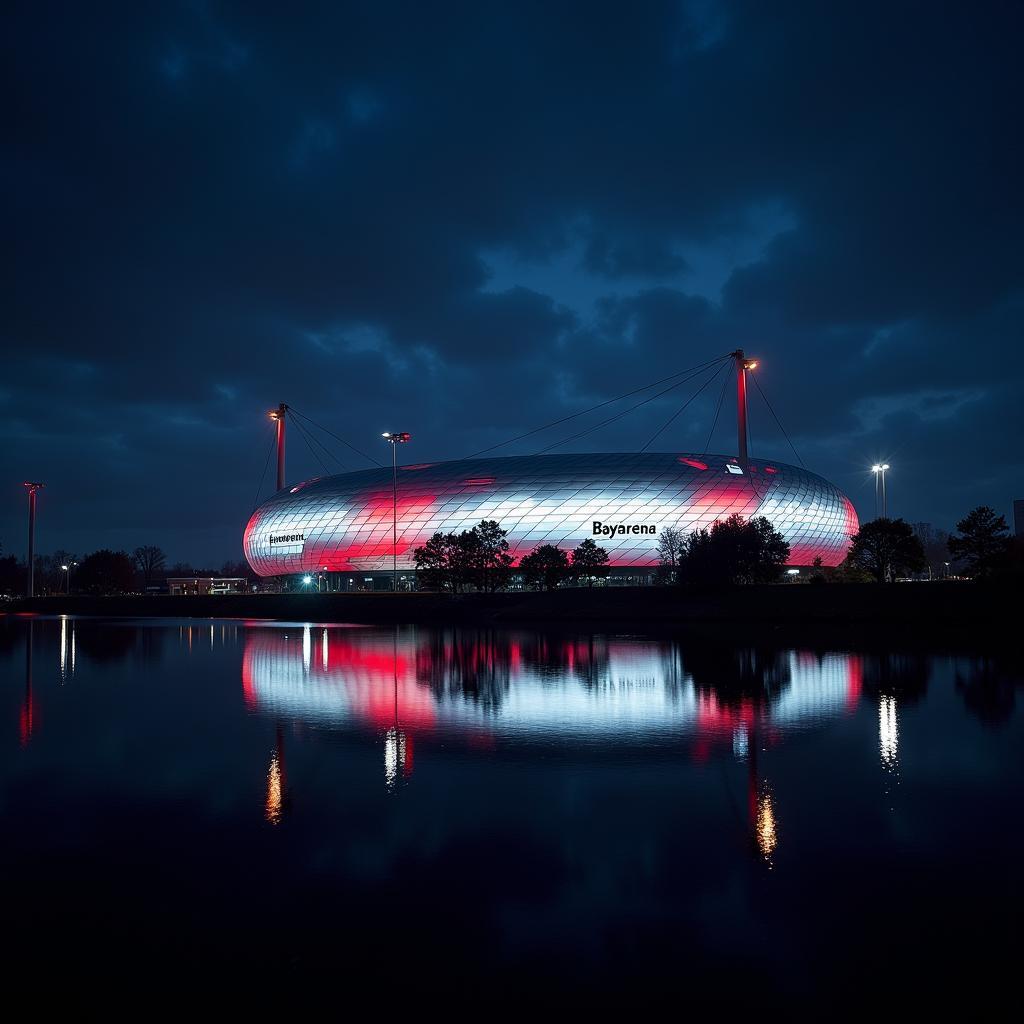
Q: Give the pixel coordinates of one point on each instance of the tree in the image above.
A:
(546, 566)
(149, 560)
(935, 544)
(734, 550)
(670, 549)
(589, 561)
(983, 541)
(433, 562)
(455, 561)
(886, 548)
(488, 555)
(106, 572)
(13, 576)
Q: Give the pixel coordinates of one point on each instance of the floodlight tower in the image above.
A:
(395, 438)
(278, 415)
(879, 469)
(742, 365)
(32, 488)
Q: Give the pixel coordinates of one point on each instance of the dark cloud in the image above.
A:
(470, 219)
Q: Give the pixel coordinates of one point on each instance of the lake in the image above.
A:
(504, 813)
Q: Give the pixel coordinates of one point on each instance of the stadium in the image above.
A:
(624, 502)
(372, 521)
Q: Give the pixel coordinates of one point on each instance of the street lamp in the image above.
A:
(879, 469)
(395, 438)
(32, 486)
(67, 576)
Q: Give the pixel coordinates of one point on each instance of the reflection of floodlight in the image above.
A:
(395, 438)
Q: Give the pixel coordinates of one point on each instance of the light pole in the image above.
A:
(742, 365)
(879, 470)
(278, 416)
(32, 488)
(395, 438)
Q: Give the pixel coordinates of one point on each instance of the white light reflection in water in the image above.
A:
(307, 648)
(395, 765)
(67, 647)
(888, 733)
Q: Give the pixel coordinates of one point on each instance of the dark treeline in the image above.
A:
(104, 572)
(730, 552)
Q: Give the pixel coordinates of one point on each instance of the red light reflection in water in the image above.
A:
(26, 720)
(477, 685)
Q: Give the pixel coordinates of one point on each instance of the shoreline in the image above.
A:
(834, 613)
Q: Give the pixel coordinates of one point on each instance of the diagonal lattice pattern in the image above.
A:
(344, 523)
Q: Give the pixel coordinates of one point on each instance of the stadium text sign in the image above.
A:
(620, 529)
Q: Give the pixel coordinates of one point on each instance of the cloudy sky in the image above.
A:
(467, 220)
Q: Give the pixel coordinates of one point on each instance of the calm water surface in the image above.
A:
(504, 812)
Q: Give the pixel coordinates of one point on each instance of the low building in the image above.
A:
(189, 585)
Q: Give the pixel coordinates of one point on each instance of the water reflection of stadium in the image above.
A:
(522, 684)
(489, 687)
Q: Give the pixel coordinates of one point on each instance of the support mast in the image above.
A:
(278, 415)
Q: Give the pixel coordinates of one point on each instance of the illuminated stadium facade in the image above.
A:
(343, 523)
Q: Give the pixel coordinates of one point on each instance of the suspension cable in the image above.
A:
(263, 475)
(311, 438)
(721, 397)
(331, 433)
(594, 408)
(778, 421)
(625, 412)
(674, 415)
(316, 454)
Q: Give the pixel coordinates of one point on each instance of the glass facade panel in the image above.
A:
(345, 522)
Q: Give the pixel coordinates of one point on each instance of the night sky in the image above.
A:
(466, 220)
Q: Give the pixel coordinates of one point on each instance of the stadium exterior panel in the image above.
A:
(623, 502)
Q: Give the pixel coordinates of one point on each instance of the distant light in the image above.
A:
(64, 567)
(792, 572)
(750, 364)
(735, 470)
(307, 579)
(876, 469)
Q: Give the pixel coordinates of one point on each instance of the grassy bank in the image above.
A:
(927, 611)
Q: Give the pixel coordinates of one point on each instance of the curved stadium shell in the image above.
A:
(343, 523)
